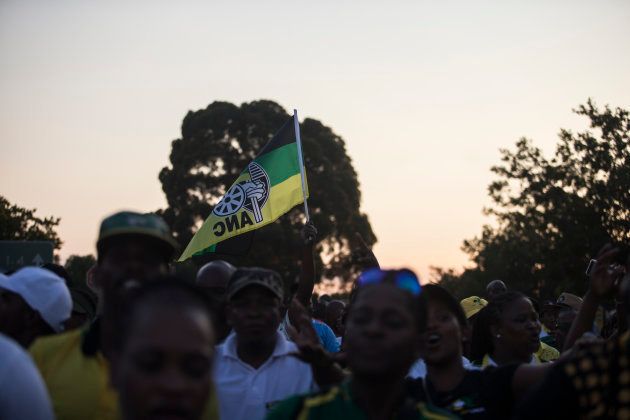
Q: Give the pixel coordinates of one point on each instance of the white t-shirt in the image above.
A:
(419, 368)
(23, 394)
(247, 393)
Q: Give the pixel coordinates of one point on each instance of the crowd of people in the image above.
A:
(138, 342)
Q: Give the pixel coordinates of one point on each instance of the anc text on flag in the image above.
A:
(270, 186)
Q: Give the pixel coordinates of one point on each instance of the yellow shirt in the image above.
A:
(546, 353)
(78, 384)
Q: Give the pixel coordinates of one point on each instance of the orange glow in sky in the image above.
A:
(424, 93)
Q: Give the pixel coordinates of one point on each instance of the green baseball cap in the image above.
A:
(129, 223)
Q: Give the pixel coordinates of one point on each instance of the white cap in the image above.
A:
(42, 290)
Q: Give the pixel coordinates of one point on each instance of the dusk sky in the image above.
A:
(424, 93)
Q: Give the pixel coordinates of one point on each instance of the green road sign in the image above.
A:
(16, 254)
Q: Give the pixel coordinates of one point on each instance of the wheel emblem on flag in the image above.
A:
(251, 195)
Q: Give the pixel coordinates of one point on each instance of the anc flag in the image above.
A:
(270, 186)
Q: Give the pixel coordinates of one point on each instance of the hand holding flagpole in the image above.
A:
(298, 140)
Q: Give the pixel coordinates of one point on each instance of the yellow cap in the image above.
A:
(472, 305)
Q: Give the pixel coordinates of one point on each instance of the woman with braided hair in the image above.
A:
(506, 332)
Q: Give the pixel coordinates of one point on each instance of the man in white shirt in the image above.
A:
(255, 367)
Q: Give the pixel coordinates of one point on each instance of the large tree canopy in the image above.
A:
(21, 224)
(552, 215)
(216, 145)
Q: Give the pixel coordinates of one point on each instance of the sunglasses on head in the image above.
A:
(403, 279)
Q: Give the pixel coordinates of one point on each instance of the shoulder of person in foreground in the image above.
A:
(587, 382)
(554, 398)
(24, 394)
(529, 376)
(335, 403)
(486, 391)
(295, 406)
(495, 385)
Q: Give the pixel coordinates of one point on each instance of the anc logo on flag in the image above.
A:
(251, 195)
(270, 186)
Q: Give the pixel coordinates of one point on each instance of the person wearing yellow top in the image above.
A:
(509, 332)
(76, 375)
(546, 353)
(132, 248)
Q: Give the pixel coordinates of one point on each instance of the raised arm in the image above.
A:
(326, 371)
(307, 273)
(604, 282)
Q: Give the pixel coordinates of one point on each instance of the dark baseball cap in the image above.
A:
(249, 276)
(129, 223)
(569, 300)
(84, 301)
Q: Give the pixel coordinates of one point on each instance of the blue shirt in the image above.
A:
(324, 332)
(326, 336)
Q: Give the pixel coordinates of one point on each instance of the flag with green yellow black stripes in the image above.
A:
(270, 186)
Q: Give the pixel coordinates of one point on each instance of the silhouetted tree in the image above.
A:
(553, 214)
(77, 267)
(21, 224)
(216, 145)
